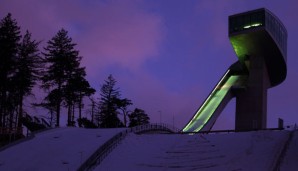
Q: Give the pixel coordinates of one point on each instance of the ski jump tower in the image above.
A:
(260, 43)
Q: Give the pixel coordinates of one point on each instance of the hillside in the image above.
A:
(67, 148)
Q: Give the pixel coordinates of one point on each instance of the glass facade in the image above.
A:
(260, 18)
(277, 30)
(246, 21)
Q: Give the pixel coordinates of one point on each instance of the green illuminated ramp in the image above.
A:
(207, 114)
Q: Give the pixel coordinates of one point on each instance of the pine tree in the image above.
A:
(49, 103)
(138, 117)
(62, 60)
(83, 89)
(107, 106)
(9, 42)
(28, 70)
(76, 89)
(93, 106)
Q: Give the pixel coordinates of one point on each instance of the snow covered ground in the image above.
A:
(290, 160)
(58, 149)
(66, 148)
(232, 152)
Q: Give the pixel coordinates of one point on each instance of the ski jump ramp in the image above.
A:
(259, 40)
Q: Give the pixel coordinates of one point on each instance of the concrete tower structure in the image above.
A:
(260, 43)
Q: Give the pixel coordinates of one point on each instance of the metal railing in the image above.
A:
(232, 131)
(154, 127)
(282, 152)
(98, 156)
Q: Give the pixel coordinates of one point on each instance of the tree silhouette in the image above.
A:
(28, 70)
(62, 63)
(138, 117)
(108, 104)
(122, 104)
(49, 103)
(21, 66)
(9, 43)
(84, 90)
(75, 90)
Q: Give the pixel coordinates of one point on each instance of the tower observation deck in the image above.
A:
(259, 40)
(260, 33)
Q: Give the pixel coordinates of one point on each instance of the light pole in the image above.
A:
(173, 120)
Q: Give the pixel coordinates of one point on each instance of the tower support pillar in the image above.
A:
(251, 104)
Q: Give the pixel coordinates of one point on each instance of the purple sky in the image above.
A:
(166, 55)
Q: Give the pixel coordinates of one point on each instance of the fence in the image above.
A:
(155, 127)
(230, 131)
(282, 152)
(97, 157)
(4, 130)
(8, 135)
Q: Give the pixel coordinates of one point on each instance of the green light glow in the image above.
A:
(215, 98)
(252, 25)
(204, 104)
(240, 49)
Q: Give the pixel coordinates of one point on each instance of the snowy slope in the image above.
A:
(66, 148)
(290, 160)
(234, 151)
(58, 149)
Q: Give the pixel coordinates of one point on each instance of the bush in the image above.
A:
(86, 123)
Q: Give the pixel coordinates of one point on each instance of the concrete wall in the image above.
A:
(251, 104)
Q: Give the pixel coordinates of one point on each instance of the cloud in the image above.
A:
(122, 33)
(121, 36)
(107, 32)
(148, 93)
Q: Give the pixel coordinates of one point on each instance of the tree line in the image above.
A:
(57, 71)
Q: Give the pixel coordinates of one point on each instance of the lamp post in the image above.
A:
(173, 120)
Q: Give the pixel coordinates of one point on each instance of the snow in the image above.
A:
(56, 149)
(255, 150)
(291, 158)
(67, 148)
